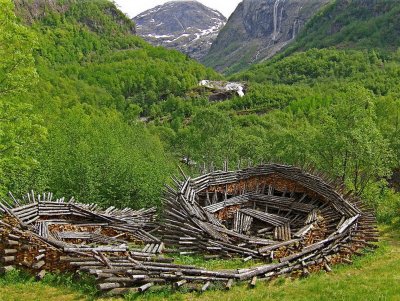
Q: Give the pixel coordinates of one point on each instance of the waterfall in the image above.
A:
(280, 18)
(294, 29)
(276, 5)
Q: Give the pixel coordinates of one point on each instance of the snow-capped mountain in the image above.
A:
(187, 26)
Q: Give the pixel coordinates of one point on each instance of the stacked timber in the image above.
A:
(293, 221)
(38, 231)
(269, 212)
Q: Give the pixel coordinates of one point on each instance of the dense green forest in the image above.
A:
(90, 110)
(336, 110)
(71, 99)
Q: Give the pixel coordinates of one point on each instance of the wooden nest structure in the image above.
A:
(291, 220)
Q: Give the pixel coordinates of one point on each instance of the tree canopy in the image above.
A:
(91, 110)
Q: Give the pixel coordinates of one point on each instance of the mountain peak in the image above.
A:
(187, 26)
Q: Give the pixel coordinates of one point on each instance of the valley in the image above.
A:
(109, 110)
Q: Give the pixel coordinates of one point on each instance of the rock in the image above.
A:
(223, 90)
(187, 26)
(257, 30)
(188, 161)
(394, 181)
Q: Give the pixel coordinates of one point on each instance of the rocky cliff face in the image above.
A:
(257, 30)
(187, 26)
(355, 24)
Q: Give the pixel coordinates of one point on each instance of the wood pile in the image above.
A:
(292, 220)
(42, 234)
(269, 212)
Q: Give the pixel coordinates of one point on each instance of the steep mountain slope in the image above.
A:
(357, 24)
(187, 26)
(257, 30)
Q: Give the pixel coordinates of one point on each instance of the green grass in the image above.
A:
(216, 264)
(17, 285)
(375, 276)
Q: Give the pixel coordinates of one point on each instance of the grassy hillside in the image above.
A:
(357, 24)
(373, 277)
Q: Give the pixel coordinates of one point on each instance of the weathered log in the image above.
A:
(277, 246)
(12, 242)
(7, 259)
(253, 281)
(205, 286)
(9, 251)
(327, 267)
(261, 270)
(145, 287)
(247, 258)
(229, 284)
(346, 260)
(121, 291)
(39, 257)
(107, 286)
(6, 269)
(39, 276)
(12, 236)
(179, 283)
(38, 265)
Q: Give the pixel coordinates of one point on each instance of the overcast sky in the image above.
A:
(135, 7)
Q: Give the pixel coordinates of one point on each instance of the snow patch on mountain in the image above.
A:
(187, 26)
